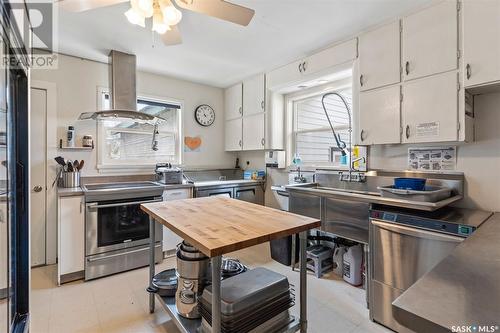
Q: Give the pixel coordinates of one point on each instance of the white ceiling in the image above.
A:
(220, 53)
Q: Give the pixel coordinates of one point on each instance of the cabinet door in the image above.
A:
(284, 76)
(253, 132)
(380, 116)
(170, 239)
(430, 41)
(254, 95)
(233, 101)
(481, 41)
(234, 132)
(379, 57)
(328, 58)
(430, 109)
(71, 254)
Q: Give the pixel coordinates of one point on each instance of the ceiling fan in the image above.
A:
(165, 14)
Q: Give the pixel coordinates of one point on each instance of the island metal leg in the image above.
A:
(151, 262)
(303, 282)
(216, 295)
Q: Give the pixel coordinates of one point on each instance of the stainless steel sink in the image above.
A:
(347, 190)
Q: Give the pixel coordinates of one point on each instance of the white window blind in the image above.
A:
(313, 135)
(125, 142)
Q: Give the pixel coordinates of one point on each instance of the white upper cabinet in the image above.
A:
(430, 109)
(254, 132)
(324, 60)
(379, 57)
(380, 116)
(313, 66)
(430, 41)
(233, 101)
(254, 95)
(481, 41)
(234, 132)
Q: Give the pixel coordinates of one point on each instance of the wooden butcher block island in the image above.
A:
(219, 225)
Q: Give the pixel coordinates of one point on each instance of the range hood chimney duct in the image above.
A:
(123, 81)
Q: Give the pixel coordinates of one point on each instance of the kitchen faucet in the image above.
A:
(358, 177)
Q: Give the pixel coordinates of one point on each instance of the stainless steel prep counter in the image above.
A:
(462, 290)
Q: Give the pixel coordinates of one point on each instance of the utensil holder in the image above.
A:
(70, 179)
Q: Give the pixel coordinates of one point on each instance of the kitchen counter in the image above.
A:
(462, 290)
(69, 191)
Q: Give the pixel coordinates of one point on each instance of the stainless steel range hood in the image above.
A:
(123, 91)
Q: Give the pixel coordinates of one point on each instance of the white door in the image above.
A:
(430, 109)
(481, 41)
(233, 139)
(285, 76)
(379, 57)
(254, 132)
(253, 94)
(430, 41)
(233, 101)
(380, 116)
(38, 167)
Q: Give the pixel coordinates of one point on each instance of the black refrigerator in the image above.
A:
(14, 170)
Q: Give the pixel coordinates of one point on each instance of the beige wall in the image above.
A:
(480, 160)
(77, 81)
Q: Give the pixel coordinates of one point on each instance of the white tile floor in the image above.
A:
(119, 303)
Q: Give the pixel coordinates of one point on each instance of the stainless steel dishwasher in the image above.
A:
(406, 244)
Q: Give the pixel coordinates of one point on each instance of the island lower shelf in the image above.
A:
(193, 325)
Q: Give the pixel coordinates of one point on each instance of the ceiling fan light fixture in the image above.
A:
(146, 6)
(159, 24)
(135, 17)
(171, 15)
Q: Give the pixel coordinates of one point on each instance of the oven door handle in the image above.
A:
(415, 232)
(97, 206)
(143, 249)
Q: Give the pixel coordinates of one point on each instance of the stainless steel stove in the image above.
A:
(116, 229)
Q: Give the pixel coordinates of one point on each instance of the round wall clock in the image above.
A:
(204, 115)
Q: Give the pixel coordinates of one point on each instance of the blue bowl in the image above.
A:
(415, 184)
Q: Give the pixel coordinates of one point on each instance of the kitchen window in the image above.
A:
(125, 143)
(312, 136)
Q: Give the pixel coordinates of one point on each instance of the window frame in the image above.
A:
(291, 101)
(102, 166)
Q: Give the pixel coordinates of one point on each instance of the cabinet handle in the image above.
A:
(361, 80)
(468, 71)
(407, 131)
(362, 135)
(263, 141)
(239, 143)
(304, 66)
(407, 68)
(240, 110)
(262, 105)
(300, 67)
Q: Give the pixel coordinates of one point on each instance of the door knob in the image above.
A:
(37, 188)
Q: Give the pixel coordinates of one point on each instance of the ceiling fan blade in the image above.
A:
(219, 8)
(172, 36)
(84, 5)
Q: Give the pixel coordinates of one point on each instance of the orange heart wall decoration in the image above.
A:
(192, 143)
